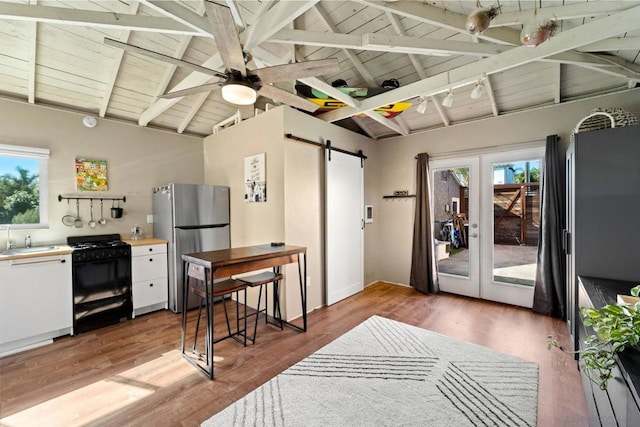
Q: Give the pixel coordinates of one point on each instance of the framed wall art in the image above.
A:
(91, 175)
(255, 178)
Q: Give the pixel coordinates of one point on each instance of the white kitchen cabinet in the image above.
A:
(35, 301)
(150, 278)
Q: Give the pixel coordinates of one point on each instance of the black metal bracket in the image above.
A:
(328, 146)
(61, 198)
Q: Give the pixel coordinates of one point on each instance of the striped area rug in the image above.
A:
(387, 373)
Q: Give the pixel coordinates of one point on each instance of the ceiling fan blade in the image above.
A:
(298, 70)
(165, 58)
(226, 37)
(192, 90)
(288, 98)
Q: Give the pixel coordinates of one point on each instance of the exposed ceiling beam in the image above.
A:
(419, 46)
(364, 73)
(432, 15)
(171, 68)
(590, 32)
(558, 83)
(559, 13)
(423, 12)
(33, 36)
(387, 43)
(196, 104)
(362, 70)
(235, 12)
(115, 67)
(68, 16)
(214, 62)
(397, 27)
(390, 123)
(618, 43)
(277, 18)
(492, 96)
(181, 14)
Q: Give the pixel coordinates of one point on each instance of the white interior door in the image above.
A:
(344, 226)
(456, 193)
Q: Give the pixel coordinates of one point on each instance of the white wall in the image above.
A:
(293, 212)
(138, 159)
(397, 171)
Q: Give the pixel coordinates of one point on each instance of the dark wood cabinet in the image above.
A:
(602, 204)
(619, 404)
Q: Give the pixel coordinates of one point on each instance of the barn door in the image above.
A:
(344, 226)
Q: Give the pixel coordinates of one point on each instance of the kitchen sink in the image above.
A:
(34, 249)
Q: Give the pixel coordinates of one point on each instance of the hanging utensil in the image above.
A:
(102, 220)
(91, 222)
(68, 219)
(78, 222)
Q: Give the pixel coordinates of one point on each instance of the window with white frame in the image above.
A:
(23, 186)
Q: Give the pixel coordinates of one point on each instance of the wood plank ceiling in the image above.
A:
(53, 53)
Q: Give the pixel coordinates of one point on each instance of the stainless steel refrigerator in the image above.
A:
(193, 218)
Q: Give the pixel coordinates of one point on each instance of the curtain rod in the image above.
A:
(326, 146)
(525, 145)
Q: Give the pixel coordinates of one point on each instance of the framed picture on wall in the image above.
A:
(255, 178)
(91, 175)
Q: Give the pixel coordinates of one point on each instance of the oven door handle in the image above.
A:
(19, 262)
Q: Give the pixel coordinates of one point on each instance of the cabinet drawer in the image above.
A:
(149, 292)
(148, 249)
(148, 267)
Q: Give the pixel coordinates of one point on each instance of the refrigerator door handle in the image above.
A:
(196, 227)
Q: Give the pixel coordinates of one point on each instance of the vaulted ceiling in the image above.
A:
(53, 53)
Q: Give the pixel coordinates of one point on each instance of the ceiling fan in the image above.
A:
(240, 85)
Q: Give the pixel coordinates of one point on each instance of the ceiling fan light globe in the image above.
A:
(239, 93)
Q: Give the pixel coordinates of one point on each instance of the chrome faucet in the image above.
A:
(9, 244)
(27, 241)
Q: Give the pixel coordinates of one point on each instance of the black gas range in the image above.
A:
(101, 268)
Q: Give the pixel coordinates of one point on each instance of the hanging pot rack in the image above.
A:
(122, 198)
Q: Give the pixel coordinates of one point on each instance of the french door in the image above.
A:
(486, 213)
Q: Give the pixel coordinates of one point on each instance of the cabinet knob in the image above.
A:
(151, 285)
(150, 249)
(150, 259)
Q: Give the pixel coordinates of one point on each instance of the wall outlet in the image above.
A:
(149, 219)
(308, 281)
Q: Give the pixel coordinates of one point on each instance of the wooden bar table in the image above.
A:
(227, 262)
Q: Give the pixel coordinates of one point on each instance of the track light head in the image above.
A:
(422, 107)
(448, 100)
(477, 91)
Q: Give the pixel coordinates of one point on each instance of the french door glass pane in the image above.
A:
(516, 221)
(451, 213)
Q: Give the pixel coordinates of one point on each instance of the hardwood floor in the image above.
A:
(132, 374)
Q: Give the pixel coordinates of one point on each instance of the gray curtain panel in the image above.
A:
(549, 293)
(424, 276)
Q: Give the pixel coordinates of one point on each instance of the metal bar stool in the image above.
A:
(260, 280)
(222, 289)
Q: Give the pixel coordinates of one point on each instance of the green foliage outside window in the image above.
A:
(19, 197)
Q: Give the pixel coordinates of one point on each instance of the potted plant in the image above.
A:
(617, 327)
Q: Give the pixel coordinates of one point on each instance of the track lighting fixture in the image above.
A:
(477, 91)
(422, 107)
(448, 100)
